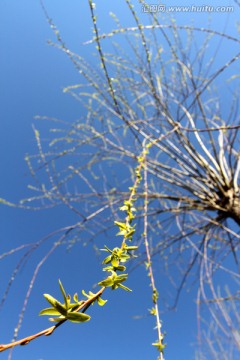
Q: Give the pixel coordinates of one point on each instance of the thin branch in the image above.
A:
(50, 330)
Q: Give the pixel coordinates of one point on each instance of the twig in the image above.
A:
(51, 329)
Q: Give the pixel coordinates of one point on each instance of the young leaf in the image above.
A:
(73, 307)
(100, 301)
(121, 225)
(85, 294)
(107, 260)
(115, 262)
(131, 248)
(78, 317)
(130, 233)
(75, 297)
(152, 311)
(107, 249)
(124, 287)
(159, 345)
(123, 208)
(49, 311)
(56, 304)
(120, 268)
(64, 294)
(60, 318)
(50, 299)
(106, 282)
(120, 278)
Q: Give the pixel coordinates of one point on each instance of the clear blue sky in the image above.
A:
(33, 76)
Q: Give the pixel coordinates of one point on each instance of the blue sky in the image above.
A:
(33, 76)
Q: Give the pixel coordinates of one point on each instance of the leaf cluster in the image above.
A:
(116, 257)
(69, 310)
(91, 296)
(119, 255)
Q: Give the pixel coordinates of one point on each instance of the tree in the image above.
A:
(159, 89)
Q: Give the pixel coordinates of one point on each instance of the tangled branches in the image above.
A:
(160, 87)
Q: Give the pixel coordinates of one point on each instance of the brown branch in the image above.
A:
(51, 329)
(233, 127)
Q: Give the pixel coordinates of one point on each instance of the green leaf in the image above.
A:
(131, 248)
(120, 268)
(123, 208)
(159, 345)
(120, 278)
(124, 287)
(75, 297)
(50, 299)
(130, 233)
(60, 318)
(107, 260)
(49, 311)
(100, 301)
(124, 257)
(85, 294)
(106, 282)
(155, 296)
(109, 268)
(56, 304)
(121, 225)
(115, 262)
(122, 233)
(90, 295)
(64, 294)
(74, 306)
(152, 311)
(107, 249)
(78, 317)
